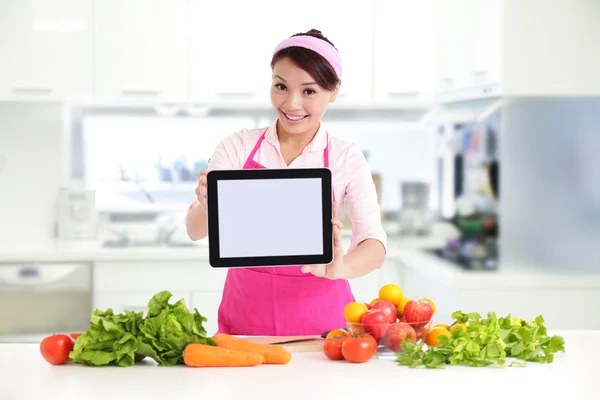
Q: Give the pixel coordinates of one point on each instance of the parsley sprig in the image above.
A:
(488, 341)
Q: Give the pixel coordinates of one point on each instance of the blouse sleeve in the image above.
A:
(364, 211)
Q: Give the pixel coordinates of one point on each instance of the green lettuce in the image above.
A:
(487, 341)
(111, 339)
(168, 328)
(126, 338)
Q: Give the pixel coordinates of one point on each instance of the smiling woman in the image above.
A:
(302, 299)
(304, 83)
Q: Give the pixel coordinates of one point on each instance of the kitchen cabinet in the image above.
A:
(520, 293)
(140, 51)
(137, 302)
(403, 51)
(468, 49)
(229, 51)
(46, 50)
(131, 284)
(366, 288)
(247, 51)
(551, 48)
(493, 48)
(207, 304)
(352, 35)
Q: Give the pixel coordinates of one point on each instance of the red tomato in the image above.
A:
(359, 349)
(333, 347)
(56, 348)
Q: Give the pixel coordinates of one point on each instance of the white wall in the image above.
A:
(550, 183)
(30, 168)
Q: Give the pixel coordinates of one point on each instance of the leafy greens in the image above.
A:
(123, 339)
(487, 341)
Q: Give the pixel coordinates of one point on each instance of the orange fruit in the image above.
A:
(400, 307)
(392, 293)
(430, 302)
(374, 301)
(445, 326)
(354, 311)
(460, 325)
(432, 337)
(336, 333)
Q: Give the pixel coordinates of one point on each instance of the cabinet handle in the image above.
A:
(480, 72)
(141, 92)
(230, 95)
(31, 90)
(402, 94)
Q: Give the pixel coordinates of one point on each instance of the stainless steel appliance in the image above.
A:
(37, 300)
(415, 216)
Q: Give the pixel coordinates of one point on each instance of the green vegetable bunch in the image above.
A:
(487, 341)
(123, 339)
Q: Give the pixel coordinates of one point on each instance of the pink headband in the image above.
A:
(317, 45)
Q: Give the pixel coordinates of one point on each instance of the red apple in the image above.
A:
(388, 308)
(368, 306)
(421, 329)
(418, 311)
(375, 322)
(397, 334)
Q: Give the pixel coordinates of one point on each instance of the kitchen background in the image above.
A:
(479, 118)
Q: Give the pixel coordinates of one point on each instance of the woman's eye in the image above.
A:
(309, 91)
(280, 86)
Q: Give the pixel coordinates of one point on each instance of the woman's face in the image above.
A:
(298, 100)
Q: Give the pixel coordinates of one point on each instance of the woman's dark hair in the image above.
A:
(314, 64)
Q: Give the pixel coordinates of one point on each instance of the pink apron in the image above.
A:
(281, 301)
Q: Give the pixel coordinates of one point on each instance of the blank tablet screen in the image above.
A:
(277, 217)
(269, 217)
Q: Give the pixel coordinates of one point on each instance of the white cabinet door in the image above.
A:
(140, 50)
(403, 51)
(454, 44)
(351, 35)
(133, 301)
(488, 43)
(45, 50)
(247, 46)
(207, 304)
(366, 288)
(230, 50)
(155, 276)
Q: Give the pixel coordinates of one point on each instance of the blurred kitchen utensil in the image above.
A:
(292, 344)
(76, 217)
(415, 217)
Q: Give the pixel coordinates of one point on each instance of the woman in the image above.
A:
(310, 299)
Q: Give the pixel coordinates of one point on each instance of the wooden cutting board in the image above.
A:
(293, 344)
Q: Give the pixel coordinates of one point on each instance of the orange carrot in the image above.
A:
(219, 337)
(273, 354)
(203, 355)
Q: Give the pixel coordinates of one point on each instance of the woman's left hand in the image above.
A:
(335, 269)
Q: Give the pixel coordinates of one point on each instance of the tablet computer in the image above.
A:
(269, 217)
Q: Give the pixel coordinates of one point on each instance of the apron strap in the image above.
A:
(326, 162)
(250, 158)
(248, 162)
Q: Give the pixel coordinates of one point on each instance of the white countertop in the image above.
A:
(407, 250)
(26, 376)
(506, 276)
(78, 251)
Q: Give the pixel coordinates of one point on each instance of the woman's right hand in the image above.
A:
(202, 189)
